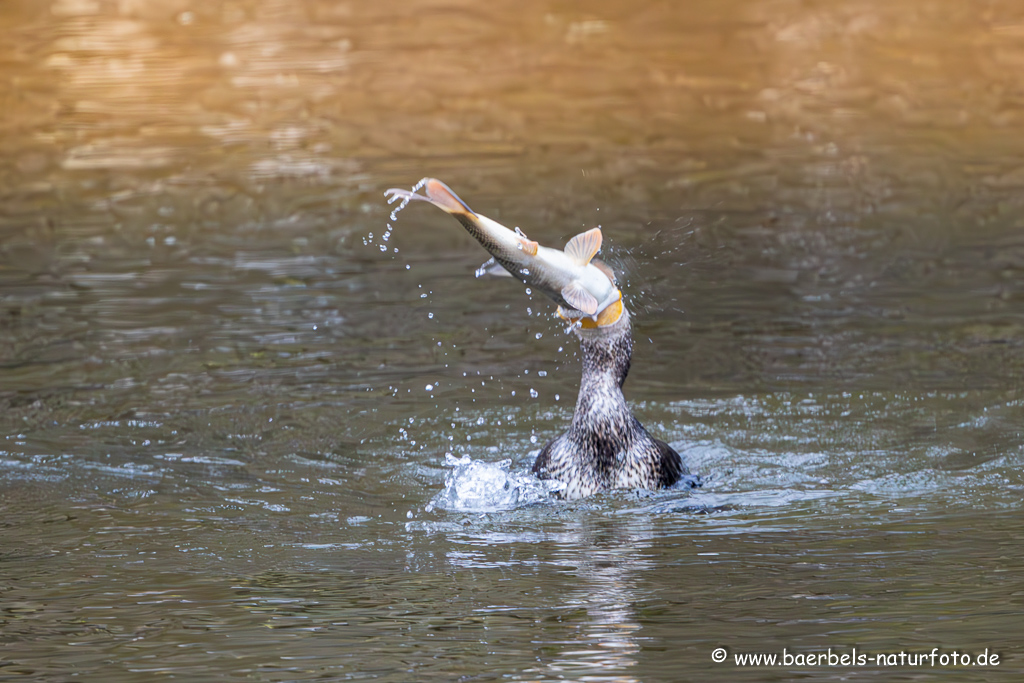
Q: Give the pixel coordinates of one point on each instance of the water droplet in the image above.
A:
(429, 387)
(557, 397)
(407, 266)
(480, 420)
(533, 438)
(383, 248)
(513, 392)
(430, 315)
(525, 271)
(542, 373)
(538, 335)
(533, 393)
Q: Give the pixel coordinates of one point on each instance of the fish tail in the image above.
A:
(442, 197)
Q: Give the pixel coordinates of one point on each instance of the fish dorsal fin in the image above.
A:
(584, 246)
(579, 298)
(604, 268)
(492, 267)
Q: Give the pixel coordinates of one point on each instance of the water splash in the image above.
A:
(479, 486)
(405, 199)
(573, 326)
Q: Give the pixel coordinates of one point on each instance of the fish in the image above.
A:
(583, 286)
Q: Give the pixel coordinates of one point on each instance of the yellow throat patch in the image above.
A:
(608, 316)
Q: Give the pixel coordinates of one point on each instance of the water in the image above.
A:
(225, 409)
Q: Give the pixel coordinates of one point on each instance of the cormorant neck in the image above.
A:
(607, 352)
(606, 355)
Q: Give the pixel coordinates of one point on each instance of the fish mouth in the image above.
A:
(606, 318)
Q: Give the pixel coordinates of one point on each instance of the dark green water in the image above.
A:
(217, 441)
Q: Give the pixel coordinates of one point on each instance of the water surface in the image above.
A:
(226, 398)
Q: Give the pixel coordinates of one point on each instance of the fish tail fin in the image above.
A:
(437, 193)
(441, 196)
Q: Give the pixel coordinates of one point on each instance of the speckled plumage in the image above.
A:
(606, 446)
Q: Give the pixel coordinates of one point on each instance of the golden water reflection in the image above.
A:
(738, 100)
